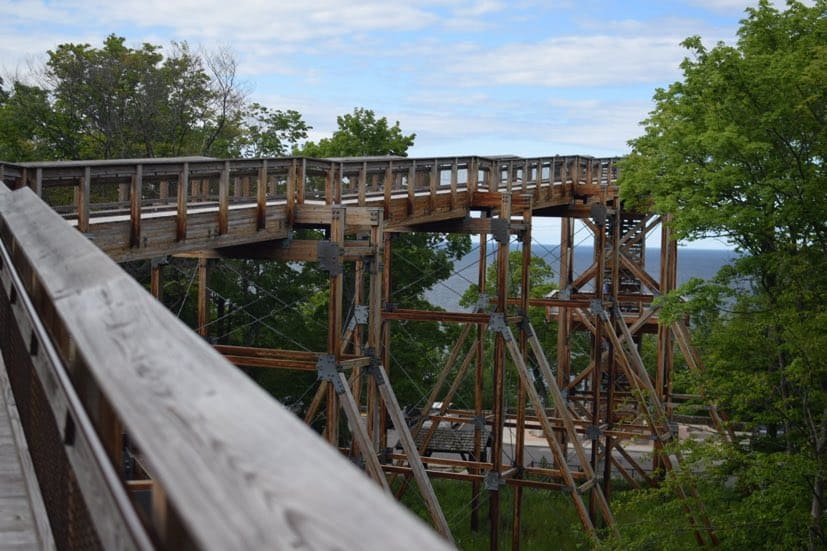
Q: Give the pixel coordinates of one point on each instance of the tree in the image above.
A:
(121, 102)
(27, 124)
(737, 148)
(269, 133)
(360, 134)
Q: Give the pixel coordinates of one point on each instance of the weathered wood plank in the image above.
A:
(23, 519)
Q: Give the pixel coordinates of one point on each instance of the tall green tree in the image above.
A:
(737, 148)
(361, 134)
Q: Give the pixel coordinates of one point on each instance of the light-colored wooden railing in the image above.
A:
(227, 466)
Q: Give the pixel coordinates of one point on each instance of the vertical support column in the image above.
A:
(386, 328)
(611, 367)
(519, 442)
(564, 313)
(599, 219)
(668, 269)
(479, 384)
(203, 306)
(374, 339)
(499, 371)
(334, 322)
(84, 188)
(136, 189)
(181, 214)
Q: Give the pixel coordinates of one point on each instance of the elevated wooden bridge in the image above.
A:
(142, 435)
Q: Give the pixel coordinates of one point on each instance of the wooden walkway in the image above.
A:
(23, 520)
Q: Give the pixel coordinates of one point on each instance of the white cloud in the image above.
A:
(599, 60)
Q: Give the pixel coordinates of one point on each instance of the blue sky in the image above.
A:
(469, 77)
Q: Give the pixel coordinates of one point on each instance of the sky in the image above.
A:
(469, 77)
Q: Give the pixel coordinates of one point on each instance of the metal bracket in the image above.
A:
(493, 481)
(596, 307)
(525, 324)
(479, 422)
(482, 302)
(330, 257)
(565, 294)
(593, 432)
(497, 324)
(159, 261)
(499, 230)
(386, 456)
(328, 370)
(598, 214)
(360, 314)
(373, 369)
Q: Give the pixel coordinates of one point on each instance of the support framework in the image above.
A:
(595, 409)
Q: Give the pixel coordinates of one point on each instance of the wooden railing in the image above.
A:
(99, 188)
(159, 441)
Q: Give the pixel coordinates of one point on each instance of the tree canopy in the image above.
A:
(361, 134)
(115, 101)
(737, 148)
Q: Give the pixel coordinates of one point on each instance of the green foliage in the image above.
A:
(121, 102)
(540, 279)
(270, 132)
(28, 127)
(548, 519)
(361, 134)
(737, 148)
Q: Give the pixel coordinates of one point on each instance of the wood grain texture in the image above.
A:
(240, 470)
(23, 520)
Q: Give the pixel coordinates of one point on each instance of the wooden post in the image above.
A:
(498, 385)
(224, 200)
(597, 347)
(334, 321)
(479, 383)
(434, 182)
(363, 182)
(374, 337)
(136, 189)
(84, 189)
(412, 187)
(181, 203)
(388, 189)
(155, 285)
(38, 182)
(519, 443)
(203, 311)
(261, 194)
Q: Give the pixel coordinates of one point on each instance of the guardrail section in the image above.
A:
(142, 435)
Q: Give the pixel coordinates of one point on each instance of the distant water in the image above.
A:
(699, 263)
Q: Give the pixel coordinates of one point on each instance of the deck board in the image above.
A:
(23, 523)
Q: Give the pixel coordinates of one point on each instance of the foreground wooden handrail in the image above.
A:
(233, 468)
